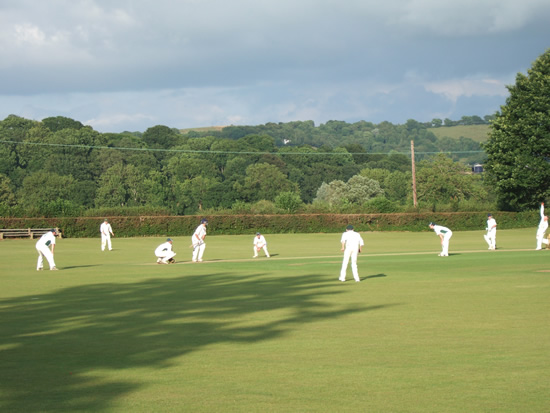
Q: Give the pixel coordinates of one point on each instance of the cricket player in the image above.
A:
(106, 231)
(197, 241)
(43, 246)
(260, 243)
(543, 226)
(352, 243)
(164, 253)
(491, 236)
(445, 235)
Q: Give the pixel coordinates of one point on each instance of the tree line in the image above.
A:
(58, 166)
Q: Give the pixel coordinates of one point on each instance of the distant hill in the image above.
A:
(477, 133)
(203, 129)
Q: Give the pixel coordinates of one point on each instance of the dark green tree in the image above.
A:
(161, 137)
(42, 187)
(289, 201)
(440, 180)
(7, 197)
(263, 181)
(518, 149)
(57, 123)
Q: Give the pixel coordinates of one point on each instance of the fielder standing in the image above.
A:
(43, 246)
(543, 226)
(491, 236)
(260, 243)
(106, 231)
(197, 241)
(445, 235)
(351, 245)
(164, 253)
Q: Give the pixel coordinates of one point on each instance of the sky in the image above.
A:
(127, 65)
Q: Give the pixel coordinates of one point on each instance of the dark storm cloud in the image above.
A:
(128, 65)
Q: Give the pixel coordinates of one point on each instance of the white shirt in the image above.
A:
(106, 229)
(440, 230)
(491, 225)
(259, 241)
(46, 240)
(163, 248)
(199, 235)
(352, 240)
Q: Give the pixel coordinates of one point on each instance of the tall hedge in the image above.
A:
(133, 226)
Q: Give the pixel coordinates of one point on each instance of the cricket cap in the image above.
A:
(204, 221)
(489, 214)
(349, 227)
(168, 239)
(257, 233)
(431, 223)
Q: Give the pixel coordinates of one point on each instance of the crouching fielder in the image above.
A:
(43, 246)
(543, 226)
(445, 235)
(260, 243)
(197, 241)
(164, 252)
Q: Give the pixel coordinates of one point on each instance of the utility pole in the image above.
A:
(413, 175)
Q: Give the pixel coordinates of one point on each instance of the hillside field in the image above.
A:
(477, 133)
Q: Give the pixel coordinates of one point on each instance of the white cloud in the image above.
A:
(114, 121)
(454, 89)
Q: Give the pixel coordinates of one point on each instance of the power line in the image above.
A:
(80, 146)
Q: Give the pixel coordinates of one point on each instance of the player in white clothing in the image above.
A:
(260, 243)
(197, 241)
(352, 243)
(45, 247)
(543, 226)
(445, 235)
(106, 231)
(164, 253)
(491, 236)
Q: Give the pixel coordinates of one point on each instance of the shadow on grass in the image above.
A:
(375, 276)
(56, 350)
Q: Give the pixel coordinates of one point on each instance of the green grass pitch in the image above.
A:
(114, 331)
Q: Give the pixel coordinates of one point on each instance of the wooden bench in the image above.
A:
(23, 232)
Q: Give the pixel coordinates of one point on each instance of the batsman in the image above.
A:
(197, 241)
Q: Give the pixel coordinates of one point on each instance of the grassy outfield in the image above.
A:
(113, 331)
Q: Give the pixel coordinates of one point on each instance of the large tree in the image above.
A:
(357, 190)
(518, 149)
(440, 180)
(263, 181)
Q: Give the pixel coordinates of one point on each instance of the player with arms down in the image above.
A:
(197, 241)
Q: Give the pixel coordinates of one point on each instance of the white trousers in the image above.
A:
(165, 256)
(264, 248)
(445, 244)
(106, 239)
(541, 240)
(198, 251)
(491, 239)
(44, 251)
(350, 253)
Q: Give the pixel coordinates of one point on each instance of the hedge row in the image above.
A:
(133, 226)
